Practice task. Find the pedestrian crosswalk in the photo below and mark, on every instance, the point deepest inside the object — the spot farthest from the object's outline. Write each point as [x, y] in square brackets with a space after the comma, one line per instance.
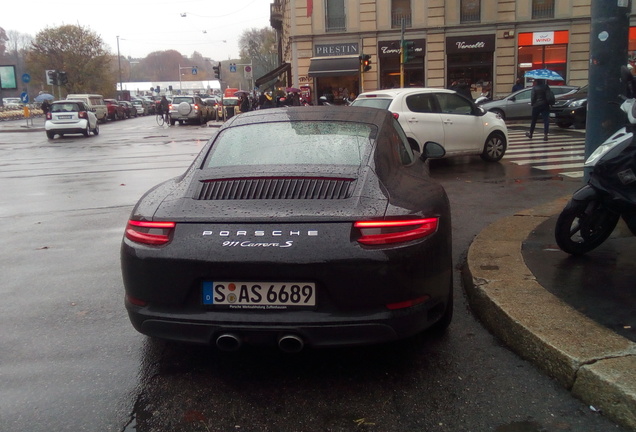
[563, 154]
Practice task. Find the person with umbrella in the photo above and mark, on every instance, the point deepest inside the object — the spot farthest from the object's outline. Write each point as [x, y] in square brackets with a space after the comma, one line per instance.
[541, 98]
[540, 102]
[45, 104]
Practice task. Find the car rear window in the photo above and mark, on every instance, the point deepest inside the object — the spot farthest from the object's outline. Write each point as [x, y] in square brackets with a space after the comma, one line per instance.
[292, 143]
[178, 100]
[372, 103]
[65, 107]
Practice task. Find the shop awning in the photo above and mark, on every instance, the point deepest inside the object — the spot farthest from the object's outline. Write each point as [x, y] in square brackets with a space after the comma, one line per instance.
[334, 66]
[273, 74]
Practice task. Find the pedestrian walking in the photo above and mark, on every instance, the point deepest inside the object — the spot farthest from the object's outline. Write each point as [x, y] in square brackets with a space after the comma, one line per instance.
[540, 99]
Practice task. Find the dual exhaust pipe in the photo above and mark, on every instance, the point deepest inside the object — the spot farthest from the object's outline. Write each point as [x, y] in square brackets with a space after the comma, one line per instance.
[288, 343]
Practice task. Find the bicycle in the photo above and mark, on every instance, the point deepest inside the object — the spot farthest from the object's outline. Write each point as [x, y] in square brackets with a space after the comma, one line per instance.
[162, 118]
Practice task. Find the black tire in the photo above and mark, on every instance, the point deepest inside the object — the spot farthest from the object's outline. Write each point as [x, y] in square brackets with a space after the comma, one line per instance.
[494, 148]
[50, 135]
[96, 130]
[564, 125]
[442, 324]
[86, 132]
[579, 230]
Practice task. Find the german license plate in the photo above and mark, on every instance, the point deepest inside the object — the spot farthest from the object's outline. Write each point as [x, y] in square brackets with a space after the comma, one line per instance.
[259, 295]
[553, 115]
[65, 116]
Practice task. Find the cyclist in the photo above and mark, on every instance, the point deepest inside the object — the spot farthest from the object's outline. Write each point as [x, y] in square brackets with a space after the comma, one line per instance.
[164, 107]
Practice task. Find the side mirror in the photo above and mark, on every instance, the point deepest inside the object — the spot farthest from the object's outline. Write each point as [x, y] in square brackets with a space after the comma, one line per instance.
[432, 150]
[481, 111]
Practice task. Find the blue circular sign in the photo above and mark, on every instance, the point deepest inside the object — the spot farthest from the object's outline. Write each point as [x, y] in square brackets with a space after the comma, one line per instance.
[26, 78]
[24, 97]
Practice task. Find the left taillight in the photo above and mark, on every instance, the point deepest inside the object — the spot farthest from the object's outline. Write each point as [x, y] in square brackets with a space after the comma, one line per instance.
[82, 114]
[49, 116]
[150, 233]
[375, 233]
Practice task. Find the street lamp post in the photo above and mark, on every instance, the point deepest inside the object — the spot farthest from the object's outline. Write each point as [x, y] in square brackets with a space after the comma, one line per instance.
[121, 86]
[184, 67]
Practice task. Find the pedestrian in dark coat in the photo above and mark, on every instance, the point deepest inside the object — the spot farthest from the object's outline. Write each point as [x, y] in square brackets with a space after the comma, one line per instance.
[540, 107]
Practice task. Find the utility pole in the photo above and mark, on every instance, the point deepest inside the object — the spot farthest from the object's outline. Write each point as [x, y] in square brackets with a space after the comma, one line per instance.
[402, 49]
[609, 37]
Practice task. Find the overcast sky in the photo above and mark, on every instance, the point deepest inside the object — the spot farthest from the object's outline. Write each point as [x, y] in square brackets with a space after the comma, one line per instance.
[211, 27]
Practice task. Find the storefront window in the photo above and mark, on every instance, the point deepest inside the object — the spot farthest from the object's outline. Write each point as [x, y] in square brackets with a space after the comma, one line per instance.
[553, 57]
[337, 88]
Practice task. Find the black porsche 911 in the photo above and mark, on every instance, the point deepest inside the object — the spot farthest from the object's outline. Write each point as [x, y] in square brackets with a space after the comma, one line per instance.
[300, 226]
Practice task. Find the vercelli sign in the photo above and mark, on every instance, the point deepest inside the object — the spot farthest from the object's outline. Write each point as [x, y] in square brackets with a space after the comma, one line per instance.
[466, 44]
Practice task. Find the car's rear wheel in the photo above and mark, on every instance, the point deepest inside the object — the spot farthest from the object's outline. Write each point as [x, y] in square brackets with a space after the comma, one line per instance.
[494, 148]
[50, 135]
[96, 130]
[87, 131]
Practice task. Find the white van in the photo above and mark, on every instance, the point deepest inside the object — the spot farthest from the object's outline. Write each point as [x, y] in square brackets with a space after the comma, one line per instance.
[95, 103]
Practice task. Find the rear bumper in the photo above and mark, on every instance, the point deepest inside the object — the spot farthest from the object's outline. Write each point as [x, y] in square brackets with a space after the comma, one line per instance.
[328, 331]
[66, 127]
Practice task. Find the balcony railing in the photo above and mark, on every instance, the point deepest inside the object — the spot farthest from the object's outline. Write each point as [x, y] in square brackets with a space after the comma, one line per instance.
[542, 9]
[276, 15]
[336, 23]
[396, 19]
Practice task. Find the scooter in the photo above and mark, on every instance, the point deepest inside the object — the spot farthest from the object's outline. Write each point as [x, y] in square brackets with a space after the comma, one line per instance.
[594, 210]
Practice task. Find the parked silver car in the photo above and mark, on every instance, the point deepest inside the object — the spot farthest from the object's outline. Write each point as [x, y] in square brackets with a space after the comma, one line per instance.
[517, 105]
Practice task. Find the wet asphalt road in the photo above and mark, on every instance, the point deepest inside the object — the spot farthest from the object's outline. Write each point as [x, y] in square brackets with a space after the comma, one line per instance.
[71, 361]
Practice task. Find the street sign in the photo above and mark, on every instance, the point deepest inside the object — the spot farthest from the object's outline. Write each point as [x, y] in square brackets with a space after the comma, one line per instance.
[26, 78]
[24, 97]
[194, 71]
[232, 68]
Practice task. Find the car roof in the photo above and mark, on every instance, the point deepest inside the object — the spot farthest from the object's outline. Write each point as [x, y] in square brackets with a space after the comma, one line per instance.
[392, 93]
[313, 113]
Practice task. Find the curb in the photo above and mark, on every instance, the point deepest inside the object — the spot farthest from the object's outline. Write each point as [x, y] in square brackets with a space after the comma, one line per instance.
[595, 364]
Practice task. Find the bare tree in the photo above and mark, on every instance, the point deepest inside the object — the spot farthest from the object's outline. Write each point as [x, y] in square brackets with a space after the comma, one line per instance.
[259, 46]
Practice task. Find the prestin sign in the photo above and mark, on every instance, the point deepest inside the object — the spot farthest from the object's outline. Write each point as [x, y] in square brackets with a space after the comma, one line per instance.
[340, 49]
[468, 44]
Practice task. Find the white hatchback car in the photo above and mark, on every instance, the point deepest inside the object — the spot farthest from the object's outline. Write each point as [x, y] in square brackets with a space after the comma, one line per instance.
[443, 116]
[70, 117]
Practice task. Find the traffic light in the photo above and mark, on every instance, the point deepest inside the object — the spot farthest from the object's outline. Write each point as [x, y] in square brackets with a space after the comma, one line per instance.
[51, 77]
[62, 78]
[217, 71]
[408, 50]
[366, 62]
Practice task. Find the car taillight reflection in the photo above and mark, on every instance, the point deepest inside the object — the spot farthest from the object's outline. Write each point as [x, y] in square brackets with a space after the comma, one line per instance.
[389, 232]
[150, 233]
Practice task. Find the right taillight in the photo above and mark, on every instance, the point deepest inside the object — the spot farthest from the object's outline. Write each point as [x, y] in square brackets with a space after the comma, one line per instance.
[150, 233]
[395, 231]
[396, 116]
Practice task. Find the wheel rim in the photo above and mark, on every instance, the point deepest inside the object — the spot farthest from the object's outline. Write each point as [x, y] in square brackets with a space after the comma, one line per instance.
[495, 147]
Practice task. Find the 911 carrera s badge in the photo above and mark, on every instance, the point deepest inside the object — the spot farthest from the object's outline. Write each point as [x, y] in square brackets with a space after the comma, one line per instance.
[275, 234]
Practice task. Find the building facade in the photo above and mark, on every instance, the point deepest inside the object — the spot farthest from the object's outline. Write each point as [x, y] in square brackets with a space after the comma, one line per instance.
[487, 43]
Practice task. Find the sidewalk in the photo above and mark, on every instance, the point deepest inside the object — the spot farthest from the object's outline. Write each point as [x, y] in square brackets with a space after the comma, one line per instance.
[33, 124]
[596, 364]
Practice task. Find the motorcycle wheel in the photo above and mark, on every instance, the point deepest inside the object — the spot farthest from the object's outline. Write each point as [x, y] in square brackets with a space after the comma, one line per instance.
[579, 231]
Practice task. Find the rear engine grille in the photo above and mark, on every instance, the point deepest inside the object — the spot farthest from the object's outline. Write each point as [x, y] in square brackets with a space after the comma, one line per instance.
[275, 188]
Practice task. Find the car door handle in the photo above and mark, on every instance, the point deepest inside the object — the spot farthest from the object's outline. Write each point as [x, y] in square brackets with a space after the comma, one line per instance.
[447, 121]
[412, 120]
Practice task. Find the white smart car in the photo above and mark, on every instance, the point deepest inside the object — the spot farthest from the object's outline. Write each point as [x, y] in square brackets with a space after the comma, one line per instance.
[445, 117]
[70, 117]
